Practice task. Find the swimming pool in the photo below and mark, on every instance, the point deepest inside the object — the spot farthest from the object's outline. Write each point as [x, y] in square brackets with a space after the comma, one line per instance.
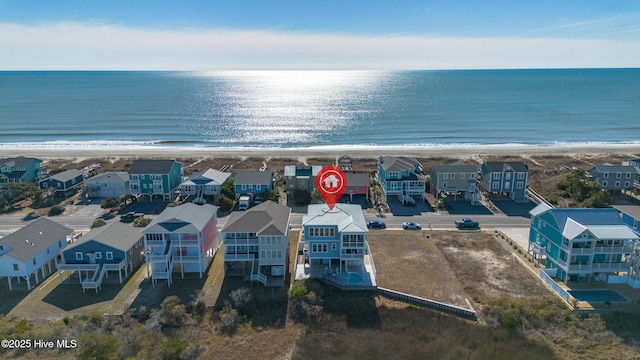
[597, 295]
[354, 278]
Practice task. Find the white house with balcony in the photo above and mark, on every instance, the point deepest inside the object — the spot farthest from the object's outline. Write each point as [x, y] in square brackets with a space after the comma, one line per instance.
[257, 243]
[182, 239]
[204, 183]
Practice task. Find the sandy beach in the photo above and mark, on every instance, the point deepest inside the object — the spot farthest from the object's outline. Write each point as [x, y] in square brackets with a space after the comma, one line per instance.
[632, 150]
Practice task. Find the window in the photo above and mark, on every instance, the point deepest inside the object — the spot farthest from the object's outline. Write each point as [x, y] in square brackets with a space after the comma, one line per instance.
[462, 176]
[109, 255]
[60, 243]
[16, 267]
[520, 185]
[604, 184]
[34, 261]
[453, 176]
[496, 185]
[628, 175]
[244, 187]
[445, 176]
[605, 175]
[154, 237]
[79, 256]
[617, 184]
[618, 175]
[98, 256]
[626, 184]
[45, 184]
[320, 248]
[507, 176]
[258, 187]
[521, 176]
[1, 247]
[334, 246]
[496, 175]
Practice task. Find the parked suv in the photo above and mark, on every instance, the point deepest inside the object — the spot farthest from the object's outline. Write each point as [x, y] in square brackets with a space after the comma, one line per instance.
[375, 224]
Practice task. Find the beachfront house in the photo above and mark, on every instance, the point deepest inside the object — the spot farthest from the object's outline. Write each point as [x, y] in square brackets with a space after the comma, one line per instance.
[509, 178]
[334, 247]
[64, 182]
[636, 165]
[32, 249]
[204, 183]
[20, 170]
[613, 178]
[453, 179]
[581, 243]
[401, 177]
[345, 163]
[108, 184]
[155, 178]
[115, 247]
[182, 237]
[630, 215]
[257, 243]
[299, 177]
[253, 182]
[357, 184]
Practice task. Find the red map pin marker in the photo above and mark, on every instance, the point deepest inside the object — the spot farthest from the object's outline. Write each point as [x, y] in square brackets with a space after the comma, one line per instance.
[331, 182]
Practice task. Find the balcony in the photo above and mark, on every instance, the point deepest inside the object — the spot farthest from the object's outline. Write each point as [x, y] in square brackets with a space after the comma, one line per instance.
[537, 249]
[581, 251]
[613, 267]
[241, 242]
[239, 257]
[613, 249]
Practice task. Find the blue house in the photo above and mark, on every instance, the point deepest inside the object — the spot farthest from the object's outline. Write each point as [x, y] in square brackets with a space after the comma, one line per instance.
[630, 215]
[401, 177]
[114, 247]
[20, 170]
[155, 178]
[334, 246]
[508, 178]
[581, 243]
[253, 182]
[64, 182]
[613, 178]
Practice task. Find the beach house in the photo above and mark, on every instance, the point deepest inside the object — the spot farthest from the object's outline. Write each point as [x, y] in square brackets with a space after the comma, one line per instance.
[182, 238]
[357, 184]
[300, 177]
[636, 165]
[204, 183]
[152, 179]
[64, 182]
[108, 184]
[32, 249]
[115, 247]
[509, 178]
[612, 177]
[333, 246]
[453, 179]
[257, 243]
[581, 243]
[401, 177]
[253, 182]
[20, 170]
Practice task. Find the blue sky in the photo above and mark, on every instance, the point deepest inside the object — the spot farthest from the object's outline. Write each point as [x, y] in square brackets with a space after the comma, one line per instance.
[313, 34]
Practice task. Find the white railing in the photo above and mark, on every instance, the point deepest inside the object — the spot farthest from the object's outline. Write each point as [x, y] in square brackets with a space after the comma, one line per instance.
[250, 241]
[95, 282]
[239, 257]
[624, 266]
[260, 277]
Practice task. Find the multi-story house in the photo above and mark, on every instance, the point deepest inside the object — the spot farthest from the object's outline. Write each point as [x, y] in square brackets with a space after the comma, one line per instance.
[204, 183]
[453, 179]
[108, 184]
[155, 178]
[401, 177]
[253, 182]
[581, 243]
[257, 243]
[334, 246]
[115, 247]
[630, 215]
[20, 170]
[508, 178]
[301, 177]
[182, 238]
[636, 165]
[64, 182]
[357, 184]
[613, 178]
[31, 249]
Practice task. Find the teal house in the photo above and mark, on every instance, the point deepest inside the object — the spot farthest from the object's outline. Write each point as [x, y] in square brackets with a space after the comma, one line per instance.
[155, 179]
[401, 177]
[582, 244]
[20, 170]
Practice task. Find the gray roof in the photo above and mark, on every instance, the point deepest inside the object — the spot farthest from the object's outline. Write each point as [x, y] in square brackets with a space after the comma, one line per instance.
[358, 179]
[631, 210]
[608, 168]
[268, 218]
[253, 177]
[500, 166]
[207, 177]
[301, 171]
[141, 167]
[347, 217]
[187, 217]
[111, 176]
[394, 163]
[117, 235]
[457, 167]
[17, 161]
[66, 175]
[34, 238]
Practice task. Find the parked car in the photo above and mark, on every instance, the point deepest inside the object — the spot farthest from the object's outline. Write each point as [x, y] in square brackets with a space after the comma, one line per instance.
[375, 224]
[411, 226]
[467, 223]
[130, 216]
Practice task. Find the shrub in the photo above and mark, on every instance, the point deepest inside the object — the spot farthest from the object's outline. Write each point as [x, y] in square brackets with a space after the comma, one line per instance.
[172, 348]
[225, 203]
[173, 313]
[98, 223]
[141, 222]
[229, 319]
[94, 346]
[228, 190]
[272, 195]
[110, 202]
[55, 210]
[240, 297]
[301, 197]
[305, 304]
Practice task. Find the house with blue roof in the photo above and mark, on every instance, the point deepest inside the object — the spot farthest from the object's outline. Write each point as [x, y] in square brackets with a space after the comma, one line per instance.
[334, 246]
[581, 243]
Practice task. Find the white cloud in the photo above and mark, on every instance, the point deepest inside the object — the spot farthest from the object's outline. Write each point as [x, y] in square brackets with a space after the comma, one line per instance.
[105, 46]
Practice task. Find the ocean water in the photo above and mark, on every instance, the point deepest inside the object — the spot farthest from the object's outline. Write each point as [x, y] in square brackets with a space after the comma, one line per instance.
[291, 109]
